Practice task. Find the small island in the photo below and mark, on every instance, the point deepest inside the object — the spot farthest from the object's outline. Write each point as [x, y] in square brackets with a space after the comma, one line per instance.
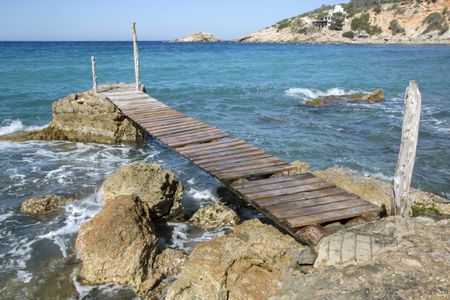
[199, 37]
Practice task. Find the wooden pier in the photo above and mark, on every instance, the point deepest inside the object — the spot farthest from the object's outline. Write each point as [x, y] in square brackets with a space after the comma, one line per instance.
[291, 201]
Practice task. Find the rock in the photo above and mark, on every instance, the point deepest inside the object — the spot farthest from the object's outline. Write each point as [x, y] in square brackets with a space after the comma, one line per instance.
[300, 168]
[394, 257]
[376, 96]
[157, 188]
[375, 190]
[215, 216]
[86, 117]
[167, 264]
[249, 263]
[199, 37]
[42, 204]
[118, 244]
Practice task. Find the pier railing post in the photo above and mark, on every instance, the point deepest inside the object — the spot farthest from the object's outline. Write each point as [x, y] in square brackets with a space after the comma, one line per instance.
[407, 154]
[136, 58]
[94, 75]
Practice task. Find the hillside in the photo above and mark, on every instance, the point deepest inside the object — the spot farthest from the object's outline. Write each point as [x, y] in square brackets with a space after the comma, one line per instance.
[364, 21]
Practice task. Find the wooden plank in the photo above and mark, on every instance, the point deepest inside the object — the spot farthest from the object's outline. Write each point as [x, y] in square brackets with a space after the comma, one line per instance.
[281, 200]
[288, 191]
[222, 170]
[147, 120]
[230, 156]
[331, 216]
[200, 153]
[158, 129]
[249, 149]
[197, 140]
[309, 202]
[254, 172]
[211, 145]
[239, 185]
[280, 185]
[175, 121]
[188, 127]
[179, 130]
[155, 116]
[189, 135]
[239, 161]
[349, 202]
[172, 134]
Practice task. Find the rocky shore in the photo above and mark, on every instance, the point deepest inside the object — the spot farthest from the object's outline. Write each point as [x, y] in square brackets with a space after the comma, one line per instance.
[406, 257]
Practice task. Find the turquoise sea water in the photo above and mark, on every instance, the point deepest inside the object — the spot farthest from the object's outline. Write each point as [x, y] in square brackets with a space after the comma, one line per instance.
[255, 92]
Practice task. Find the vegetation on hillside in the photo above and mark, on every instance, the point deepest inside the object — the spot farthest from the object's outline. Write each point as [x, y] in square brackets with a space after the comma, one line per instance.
[337, 21]
[395, 27]
[362, 23]
[436, 22]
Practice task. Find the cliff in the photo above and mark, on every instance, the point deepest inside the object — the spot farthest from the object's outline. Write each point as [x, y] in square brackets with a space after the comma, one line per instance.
[364, 21]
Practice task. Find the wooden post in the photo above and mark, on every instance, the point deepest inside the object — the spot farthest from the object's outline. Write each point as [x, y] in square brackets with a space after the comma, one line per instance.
[407, 154]
[136, 58]
[94, 75]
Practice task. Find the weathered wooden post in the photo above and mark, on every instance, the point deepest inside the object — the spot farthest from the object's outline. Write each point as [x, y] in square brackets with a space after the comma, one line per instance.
[136, 58]
[407, 154]
[94, 75]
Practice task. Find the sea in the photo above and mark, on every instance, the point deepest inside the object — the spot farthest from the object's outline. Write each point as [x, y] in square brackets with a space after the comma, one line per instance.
[253, 91]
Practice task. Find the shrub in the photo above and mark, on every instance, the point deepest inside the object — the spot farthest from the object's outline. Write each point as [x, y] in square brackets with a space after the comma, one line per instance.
[337, 21]
[436, 22]
[283, 24]
[400, 11]
[349, 34]
[420, 209]
[395, 27]
[378, 9]
[362, 23]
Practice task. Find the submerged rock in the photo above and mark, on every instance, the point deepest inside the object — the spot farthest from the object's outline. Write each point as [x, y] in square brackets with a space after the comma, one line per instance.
[215, 216]
[376, 96]
[249, 263]
[118, 244]
[86, 117]
[157, 188]
[43, 204]
[198, 37]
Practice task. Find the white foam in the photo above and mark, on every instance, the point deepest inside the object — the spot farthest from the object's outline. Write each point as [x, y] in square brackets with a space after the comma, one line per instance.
[5, 216]
[182, 239]
[15, 126]
[201, 194]
[306, 93]
[24, 276]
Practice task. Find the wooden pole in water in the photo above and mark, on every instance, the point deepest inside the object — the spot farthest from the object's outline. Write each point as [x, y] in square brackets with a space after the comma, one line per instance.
[407, 154]
[94, 75]
[136, 58]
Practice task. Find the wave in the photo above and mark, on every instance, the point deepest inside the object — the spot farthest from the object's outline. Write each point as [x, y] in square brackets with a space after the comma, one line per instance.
[15, 126]
[305, 93]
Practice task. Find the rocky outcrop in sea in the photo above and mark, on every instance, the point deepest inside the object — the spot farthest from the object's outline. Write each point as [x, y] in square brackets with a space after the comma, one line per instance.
[86, 117]
[198, 37]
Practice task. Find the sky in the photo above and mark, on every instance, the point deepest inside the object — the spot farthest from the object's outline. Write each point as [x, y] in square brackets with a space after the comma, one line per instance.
[110, 20]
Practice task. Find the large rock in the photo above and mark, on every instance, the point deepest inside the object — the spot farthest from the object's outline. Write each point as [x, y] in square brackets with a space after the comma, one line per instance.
[375, 190]
[43, 204]
[389, 258]
[376, 96]
[157, 188]
[86, 117]
[249, 263]
[198, 37]
[118, 244]
[215, 216]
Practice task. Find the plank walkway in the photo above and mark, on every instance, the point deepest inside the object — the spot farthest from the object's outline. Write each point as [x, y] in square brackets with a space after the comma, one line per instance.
[292, 201]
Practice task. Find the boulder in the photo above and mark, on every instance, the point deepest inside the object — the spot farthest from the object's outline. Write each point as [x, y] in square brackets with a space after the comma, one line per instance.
[118, 244]
[394, 257]
[376, 96]
[157, 188]
[215, 216]
[375, 190]
[43, 204]
[167, 264]
[199, 37]
[249, 263]
[86, 117]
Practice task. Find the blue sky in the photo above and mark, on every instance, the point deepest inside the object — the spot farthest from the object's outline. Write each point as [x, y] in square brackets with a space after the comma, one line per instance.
[54, 20]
